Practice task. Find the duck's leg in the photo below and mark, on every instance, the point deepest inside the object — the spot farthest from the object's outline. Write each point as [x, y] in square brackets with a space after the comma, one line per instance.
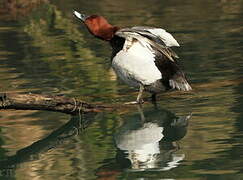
[140, 93]
[153, 97]
[139, 97]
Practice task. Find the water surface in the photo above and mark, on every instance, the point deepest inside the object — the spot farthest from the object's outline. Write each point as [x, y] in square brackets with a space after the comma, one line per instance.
[196, 135]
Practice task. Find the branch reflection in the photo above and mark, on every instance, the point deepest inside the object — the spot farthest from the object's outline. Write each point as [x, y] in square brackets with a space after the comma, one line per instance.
[56, 138]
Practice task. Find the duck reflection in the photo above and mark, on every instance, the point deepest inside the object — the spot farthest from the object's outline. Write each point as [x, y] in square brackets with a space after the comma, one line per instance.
[148, 140]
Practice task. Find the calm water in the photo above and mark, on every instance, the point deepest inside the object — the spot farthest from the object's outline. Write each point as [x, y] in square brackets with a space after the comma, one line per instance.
[189, 136]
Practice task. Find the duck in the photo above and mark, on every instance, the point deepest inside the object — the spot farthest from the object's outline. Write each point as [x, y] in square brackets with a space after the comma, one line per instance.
[142, 56]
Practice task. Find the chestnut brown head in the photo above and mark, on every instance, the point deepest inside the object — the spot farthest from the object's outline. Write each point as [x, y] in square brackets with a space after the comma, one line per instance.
[98, 26]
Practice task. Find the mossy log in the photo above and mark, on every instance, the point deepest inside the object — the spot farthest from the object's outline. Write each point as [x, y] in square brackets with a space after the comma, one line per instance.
[47, 102]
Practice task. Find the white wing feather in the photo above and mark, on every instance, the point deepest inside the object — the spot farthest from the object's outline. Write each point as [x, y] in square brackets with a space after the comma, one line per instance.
[166, 37]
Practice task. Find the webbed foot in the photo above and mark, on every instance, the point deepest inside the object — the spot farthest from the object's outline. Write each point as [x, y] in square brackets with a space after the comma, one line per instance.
[134, 102]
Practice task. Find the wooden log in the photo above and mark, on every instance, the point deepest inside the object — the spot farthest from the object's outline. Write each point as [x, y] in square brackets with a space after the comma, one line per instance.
[47, 102]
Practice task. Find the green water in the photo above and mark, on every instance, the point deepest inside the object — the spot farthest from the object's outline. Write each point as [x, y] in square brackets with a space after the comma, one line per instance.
[196, 135]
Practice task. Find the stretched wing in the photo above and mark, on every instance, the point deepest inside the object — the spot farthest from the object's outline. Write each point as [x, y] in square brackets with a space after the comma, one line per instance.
[157, 34]
[154, 37]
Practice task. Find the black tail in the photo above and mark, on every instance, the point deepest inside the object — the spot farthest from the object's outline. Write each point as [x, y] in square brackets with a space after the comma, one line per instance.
[172, 76]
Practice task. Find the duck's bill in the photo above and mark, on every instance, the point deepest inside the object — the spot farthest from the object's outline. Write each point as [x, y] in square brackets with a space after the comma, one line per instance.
[80, 16]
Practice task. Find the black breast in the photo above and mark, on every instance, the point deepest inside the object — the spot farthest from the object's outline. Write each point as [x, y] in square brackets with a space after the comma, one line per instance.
[117, 44]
